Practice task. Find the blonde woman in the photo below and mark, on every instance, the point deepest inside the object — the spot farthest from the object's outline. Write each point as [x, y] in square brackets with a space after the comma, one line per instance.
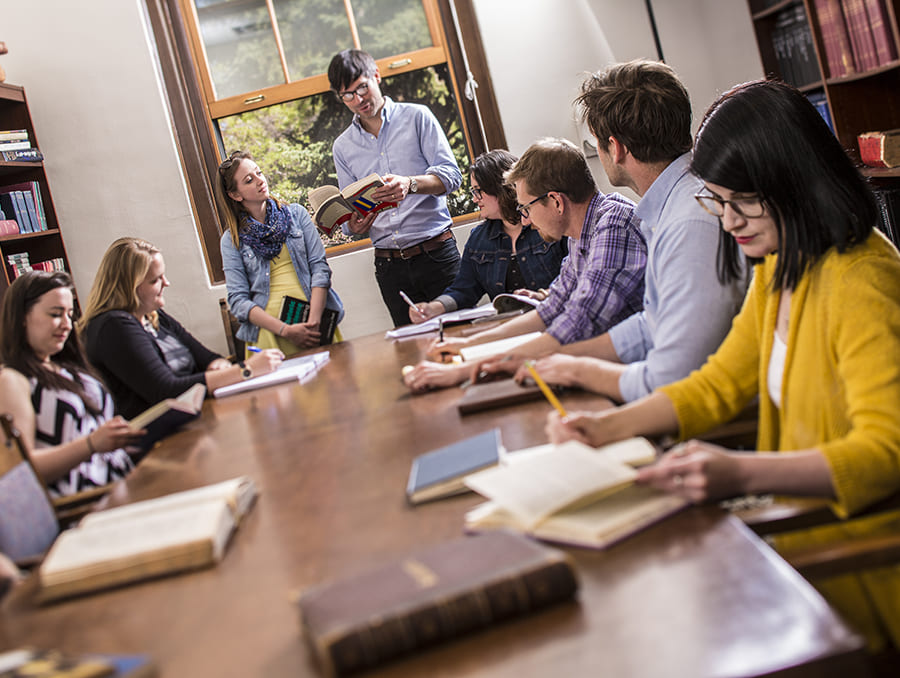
[143, 353]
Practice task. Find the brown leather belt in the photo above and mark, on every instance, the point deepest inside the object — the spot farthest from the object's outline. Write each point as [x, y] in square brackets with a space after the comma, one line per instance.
[415, 250]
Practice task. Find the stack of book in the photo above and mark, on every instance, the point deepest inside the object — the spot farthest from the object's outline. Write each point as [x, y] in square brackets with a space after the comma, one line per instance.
[22, 203]
[856, 35]
[16, 146]
[19, 262]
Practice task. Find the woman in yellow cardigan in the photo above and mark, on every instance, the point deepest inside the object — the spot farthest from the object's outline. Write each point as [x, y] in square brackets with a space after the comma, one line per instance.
[818, 340]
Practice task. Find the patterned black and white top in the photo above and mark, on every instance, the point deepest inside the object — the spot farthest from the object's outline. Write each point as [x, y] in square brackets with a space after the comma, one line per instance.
[62, 417]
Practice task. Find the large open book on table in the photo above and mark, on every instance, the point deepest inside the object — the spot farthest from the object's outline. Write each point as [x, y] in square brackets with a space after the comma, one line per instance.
[571, 493]
[181, 531]
[302, 369]
[168, 415]
[331, 207]
[424, 598]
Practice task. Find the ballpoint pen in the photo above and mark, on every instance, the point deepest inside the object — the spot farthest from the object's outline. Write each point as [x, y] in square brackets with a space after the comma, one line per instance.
[411, 303]
[254, 349]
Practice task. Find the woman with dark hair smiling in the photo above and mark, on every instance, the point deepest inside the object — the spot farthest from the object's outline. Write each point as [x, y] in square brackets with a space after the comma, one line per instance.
[501, 254]
[64, 412]
[817, 341]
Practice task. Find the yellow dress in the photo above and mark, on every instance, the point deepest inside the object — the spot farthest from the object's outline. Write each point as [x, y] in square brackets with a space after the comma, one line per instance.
[282, 281]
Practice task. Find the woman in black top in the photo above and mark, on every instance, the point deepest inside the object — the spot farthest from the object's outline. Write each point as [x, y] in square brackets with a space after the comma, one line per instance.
[143, 353]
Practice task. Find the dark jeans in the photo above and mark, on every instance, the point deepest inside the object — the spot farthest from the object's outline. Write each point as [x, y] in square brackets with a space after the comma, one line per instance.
[422, 277]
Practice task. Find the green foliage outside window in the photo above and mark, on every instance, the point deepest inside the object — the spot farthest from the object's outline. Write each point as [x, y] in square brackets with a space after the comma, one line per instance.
[291, 142]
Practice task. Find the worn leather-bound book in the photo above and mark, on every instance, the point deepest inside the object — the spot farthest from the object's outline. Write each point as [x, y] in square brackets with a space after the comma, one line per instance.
[448, 590]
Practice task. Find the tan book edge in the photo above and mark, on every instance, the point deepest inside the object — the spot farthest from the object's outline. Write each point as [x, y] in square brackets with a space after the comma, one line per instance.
[492, 348]
[190, 401]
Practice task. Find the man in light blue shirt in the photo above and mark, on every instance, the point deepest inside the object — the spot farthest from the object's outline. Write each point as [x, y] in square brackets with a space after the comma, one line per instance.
[415, 251]
[640, 114]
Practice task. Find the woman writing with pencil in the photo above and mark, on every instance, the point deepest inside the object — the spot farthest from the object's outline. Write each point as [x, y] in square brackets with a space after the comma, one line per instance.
[270, 250]
[142, 352]
[817, 341]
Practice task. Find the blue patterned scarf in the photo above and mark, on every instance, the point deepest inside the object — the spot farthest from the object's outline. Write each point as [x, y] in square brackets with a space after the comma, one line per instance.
[267, 239]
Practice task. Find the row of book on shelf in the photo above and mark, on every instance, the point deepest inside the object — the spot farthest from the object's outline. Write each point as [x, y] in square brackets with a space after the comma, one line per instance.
[22, 209]
[20, 264]
[856, 35]
[15, 145]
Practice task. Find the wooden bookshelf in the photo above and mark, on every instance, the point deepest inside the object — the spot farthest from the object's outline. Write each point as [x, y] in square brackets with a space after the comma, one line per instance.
[864, 101]
[41, 245]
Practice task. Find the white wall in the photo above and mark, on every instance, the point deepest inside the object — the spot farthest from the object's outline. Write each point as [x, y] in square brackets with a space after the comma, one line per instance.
[90, 75]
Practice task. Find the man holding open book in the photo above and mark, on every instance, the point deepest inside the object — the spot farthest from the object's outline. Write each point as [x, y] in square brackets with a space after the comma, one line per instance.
[415, 251]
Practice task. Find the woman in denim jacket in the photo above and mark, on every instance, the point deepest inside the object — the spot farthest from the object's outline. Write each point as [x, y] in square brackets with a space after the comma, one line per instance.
[501, 255]
[270, 250]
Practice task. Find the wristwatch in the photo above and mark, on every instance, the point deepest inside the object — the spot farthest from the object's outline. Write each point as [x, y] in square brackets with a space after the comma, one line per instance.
[246, 372]
[413, 185]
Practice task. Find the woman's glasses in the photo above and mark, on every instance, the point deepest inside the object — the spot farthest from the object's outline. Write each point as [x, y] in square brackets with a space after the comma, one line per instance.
[476, 192]
[750, 207]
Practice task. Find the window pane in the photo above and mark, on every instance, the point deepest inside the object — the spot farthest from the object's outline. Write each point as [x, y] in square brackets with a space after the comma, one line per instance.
[388, 27]
[240, 45]
[312, 31]
[291, 142]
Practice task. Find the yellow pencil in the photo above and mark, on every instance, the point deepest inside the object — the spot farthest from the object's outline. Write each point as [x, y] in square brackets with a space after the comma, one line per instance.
[551, 397]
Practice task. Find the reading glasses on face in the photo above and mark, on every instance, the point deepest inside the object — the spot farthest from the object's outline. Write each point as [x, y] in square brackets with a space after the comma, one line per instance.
[476, 192]
[749, 208]
[525, 209]
[360, 91]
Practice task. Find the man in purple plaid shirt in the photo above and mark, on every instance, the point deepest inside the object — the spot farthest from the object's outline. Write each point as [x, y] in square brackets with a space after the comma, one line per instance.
[600, 283]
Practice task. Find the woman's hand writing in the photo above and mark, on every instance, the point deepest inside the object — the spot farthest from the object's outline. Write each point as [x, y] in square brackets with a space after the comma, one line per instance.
[265, 361]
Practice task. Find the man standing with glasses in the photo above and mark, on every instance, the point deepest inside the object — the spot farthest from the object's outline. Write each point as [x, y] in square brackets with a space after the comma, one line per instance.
[415, 251]
[640, 114]
[601, 282]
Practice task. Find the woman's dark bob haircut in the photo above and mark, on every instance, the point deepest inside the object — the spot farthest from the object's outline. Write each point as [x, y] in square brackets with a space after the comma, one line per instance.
[488, 170]
[765, 137]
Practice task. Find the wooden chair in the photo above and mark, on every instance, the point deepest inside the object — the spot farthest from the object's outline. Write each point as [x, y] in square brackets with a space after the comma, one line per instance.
[28, 523]
[231, 325]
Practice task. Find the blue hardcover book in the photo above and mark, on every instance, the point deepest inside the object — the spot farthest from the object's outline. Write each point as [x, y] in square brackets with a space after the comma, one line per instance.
[22, 206]
[440, 473]
[28, 197]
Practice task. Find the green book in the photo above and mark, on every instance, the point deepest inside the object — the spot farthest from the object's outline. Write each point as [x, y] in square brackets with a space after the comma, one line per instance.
[294, 310]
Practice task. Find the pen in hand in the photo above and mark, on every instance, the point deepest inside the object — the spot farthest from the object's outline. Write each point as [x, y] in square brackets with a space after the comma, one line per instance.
[411, 303]
[551, 397]
[254, 349]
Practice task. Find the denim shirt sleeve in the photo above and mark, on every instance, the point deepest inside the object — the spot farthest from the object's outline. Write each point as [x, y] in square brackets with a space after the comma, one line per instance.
[237, 280]
[467, 288]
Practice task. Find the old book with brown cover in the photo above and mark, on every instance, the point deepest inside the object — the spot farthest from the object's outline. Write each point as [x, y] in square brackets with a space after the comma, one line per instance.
[440, 593]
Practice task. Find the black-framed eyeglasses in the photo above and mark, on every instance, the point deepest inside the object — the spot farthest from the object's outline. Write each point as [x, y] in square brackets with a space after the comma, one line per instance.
[476, 192]
[750, 207]
[525, 209]
[350, 95]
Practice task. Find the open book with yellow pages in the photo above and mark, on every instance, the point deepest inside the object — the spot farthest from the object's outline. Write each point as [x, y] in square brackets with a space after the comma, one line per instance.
[180, 531]
[571, 493]
[168, 415]
[332, 207]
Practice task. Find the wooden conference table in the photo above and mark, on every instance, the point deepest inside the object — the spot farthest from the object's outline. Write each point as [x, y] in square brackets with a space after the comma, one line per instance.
[697, 595]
